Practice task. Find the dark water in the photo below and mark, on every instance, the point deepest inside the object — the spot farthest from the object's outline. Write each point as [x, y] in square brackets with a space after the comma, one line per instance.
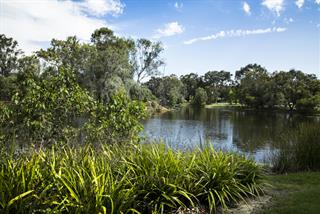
[254, 133]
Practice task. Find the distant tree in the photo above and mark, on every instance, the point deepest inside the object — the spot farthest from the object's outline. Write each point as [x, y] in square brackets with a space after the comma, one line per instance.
[168, 89]
[200, 97]
[299, 90]
[191, 82]
[9, 55]
[147, 60]
[217, 84]
[253, 81]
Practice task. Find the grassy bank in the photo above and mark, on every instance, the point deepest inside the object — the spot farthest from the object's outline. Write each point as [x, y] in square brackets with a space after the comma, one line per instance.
[293, 193]
[214, 105]
[128, 179]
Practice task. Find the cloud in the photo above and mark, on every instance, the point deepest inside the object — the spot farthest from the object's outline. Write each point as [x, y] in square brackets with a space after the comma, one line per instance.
[178, 6]
[299, 3]
[246, 8]
[317, 2]
[34, 23]
[288, 20]
[275, 6]
[102, 7]
[235, 33]
[169, 29]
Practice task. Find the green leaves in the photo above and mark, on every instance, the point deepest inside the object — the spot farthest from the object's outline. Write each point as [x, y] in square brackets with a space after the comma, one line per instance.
[124, 179]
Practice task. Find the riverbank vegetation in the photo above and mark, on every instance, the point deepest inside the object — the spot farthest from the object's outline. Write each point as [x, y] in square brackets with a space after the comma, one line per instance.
[298, 150]
[70, 122]
[129, 179]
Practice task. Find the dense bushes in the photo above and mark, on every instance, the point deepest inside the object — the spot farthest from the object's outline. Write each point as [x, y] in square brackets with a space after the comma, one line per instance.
[299, 150]
[128, 178]
[54, 108]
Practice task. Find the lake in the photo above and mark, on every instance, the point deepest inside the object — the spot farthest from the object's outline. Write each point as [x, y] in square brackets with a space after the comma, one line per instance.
[250, 132]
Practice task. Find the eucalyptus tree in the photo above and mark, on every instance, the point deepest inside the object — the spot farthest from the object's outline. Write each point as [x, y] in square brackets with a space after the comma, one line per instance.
[217, 85]
[191, 82]
[147, 59]
[252, 83]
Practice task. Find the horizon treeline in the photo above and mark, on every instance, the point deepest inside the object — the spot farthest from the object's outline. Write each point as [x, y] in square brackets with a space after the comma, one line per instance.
[109, 64]
[251, 86]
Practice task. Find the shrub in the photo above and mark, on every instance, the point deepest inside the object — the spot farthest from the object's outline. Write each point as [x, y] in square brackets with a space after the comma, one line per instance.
[54, 108]
[119, 179]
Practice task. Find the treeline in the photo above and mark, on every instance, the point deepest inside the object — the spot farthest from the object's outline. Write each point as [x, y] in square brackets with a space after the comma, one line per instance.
[252, 86]
[103, 66]
[109, 64]
[75, 91]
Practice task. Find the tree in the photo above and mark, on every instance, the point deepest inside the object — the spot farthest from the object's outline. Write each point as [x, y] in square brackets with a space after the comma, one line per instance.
[217, 84]
[168, 89]
[253, 81]
[298, 89]
[191, 82]
[200, 97]
[8, 55]
[147, 59]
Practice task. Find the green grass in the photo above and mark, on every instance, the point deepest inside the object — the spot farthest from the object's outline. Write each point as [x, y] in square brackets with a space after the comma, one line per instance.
[294, 193]
[214, 105]
[124, 179]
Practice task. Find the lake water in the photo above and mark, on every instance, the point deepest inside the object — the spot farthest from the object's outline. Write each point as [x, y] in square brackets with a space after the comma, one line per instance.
[253, 133]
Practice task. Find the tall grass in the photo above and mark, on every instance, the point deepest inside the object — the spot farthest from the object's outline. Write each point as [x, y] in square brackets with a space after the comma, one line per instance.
[299, 150]
[124, 179]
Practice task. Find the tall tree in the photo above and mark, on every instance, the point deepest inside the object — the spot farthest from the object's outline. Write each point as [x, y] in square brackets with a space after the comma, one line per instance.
[147, 59]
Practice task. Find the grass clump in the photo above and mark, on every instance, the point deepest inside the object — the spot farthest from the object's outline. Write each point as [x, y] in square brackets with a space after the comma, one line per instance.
[299, 150]
[145, 178]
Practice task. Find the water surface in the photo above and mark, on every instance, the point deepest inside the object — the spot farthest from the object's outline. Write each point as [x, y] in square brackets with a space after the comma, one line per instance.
[254, 133]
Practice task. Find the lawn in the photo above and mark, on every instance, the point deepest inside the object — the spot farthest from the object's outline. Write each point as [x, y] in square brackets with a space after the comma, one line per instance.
[294, 193]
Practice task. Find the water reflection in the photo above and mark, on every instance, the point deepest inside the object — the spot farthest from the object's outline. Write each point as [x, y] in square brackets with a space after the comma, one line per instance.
[246, 131]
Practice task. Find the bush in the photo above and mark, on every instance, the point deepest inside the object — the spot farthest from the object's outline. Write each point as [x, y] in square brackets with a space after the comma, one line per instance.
[54, 108]
[118, 179]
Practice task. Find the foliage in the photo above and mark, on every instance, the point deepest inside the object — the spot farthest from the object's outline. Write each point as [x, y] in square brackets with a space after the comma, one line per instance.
[120, 179]
[147, 59]
[200, 97]
[168, 89]
[54, 108]
[191, 82]
[8, 55]
[140, 92]
[117, 122]
[45, 111]
[298, 150]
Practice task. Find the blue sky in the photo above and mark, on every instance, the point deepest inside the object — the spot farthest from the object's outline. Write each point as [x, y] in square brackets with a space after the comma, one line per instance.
[198, 35]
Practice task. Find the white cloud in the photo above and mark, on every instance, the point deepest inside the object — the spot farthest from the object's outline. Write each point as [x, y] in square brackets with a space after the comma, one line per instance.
[169, 29]
[317, 2]
[178, 6]
[246, 8]
[274, 5]
[288, 20]
[235, 33]
[102, 7]
[300, 3]
[34, 23]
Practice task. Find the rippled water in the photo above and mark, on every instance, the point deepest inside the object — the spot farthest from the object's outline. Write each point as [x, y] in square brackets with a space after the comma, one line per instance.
[253, 133]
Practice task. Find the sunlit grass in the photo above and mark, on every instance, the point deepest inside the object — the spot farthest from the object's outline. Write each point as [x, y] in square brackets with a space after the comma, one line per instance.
[124, 179]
